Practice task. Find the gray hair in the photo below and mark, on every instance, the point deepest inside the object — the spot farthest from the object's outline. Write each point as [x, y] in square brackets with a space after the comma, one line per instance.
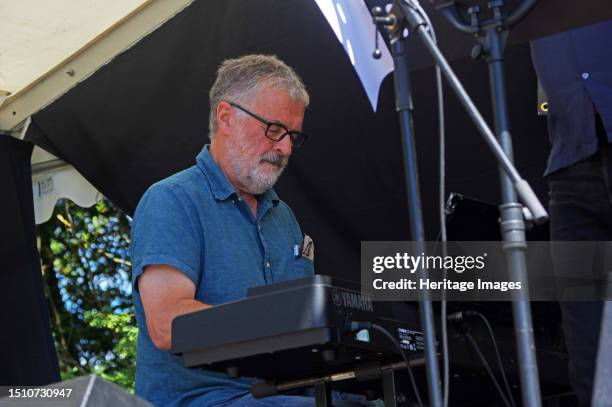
[239, 80]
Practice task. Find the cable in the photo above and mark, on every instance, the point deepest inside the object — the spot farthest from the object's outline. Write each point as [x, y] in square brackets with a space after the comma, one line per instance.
[399, 348]
[497, 354]
[487, 367]
[457, 316]
[355, 326]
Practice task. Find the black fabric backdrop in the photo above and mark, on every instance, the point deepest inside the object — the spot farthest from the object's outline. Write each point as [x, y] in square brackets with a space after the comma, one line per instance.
[144, 116]
[27, 353]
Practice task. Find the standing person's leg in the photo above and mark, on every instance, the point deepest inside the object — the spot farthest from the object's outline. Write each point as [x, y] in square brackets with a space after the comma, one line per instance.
[581, 210]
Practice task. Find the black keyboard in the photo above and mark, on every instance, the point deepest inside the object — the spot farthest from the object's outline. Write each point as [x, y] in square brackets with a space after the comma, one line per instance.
[295, 329]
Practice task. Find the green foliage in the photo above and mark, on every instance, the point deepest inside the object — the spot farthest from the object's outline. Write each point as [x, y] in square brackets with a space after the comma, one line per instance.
[124, 349]
[85, 260]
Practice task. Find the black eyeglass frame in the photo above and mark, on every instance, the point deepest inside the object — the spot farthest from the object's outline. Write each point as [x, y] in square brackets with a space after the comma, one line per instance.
[297, 137]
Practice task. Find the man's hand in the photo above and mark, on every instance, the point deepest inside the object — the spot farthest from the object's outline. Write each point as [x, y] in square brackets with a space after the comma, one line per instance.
[166, 293]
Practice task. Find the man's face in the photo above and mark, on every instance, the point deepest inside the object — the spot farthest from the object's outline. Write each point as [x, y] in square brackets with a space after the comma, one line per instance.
[256, 161]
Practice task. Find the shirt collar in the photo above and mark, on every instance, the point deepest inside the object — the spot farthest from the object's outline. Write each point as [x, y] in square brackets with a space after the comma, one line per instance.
[219, 185]
[270, 196]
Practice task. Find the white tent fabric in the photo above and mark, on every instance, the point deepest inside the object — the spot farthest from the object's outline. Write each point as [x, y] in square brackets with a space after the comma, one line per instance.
[49, 47]
[60, 181]
[37, 36]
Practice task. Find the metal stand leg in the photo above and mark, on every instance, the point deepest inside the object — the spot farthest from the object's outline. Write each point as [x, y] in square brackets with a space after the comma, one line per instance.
[323, 395]
[403, 104]
[389, 388]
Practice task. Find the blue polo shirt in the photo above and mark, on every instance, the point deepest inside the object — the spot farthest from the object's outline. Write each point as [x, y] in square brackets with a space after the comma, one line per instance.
[575, 70]
[196, 222]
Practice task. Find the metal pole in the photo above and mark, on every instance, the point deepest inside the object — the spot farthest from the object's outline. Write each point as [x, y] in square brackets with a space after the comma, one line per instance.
[403, 105]
[602, 389]
[48, 165]
[513, 228]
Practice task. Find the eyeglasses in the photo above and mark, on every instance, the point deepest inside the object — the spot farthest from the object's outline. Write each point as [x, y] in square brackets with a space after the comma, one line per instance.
[276, 131]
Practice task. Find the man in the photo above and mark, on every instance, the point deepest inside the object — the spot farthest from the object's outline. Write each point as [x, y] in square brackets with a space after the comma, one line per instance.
[575, 70]
[204, 235]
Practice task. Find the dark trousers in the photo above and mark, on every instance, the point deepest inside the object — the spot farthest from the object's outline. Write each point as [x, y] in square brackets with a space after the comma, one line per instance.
[581, 209]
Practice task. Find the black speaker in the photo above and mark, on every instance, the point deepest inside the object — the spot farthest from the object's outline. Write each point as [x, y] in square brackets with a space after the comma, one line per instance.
[90, 391]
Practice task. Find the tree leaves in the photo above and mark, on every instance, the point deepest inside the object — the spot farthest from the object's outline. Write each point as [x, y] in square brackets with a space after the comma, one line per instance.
[86, 269]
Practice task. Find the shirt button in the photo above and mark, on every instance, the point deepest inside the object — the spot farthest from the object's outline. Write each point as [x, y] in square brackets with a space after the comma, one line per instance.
[268, 264]
[585, 75]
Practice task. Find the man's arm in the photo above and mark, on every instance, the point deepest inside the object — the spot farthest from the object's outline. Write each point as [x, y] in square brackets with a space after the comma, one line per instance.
[165, 292]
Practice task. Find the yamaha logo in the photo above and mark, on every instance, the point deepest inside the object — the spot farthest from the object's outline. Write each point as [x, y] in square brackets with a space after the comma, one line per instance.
[336, 297]
[351, 299]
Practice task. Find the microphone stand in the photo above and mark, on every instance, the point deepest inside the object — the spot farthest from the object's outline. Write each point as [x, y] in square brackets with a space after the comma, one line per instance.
[403, 103]
[491, 36]
[403, 15]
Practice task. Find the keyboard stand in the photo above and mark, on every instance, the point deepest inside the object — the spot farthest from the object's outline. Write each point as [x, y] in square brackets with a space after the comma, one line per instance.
[389, 388]
[323, 395]
[322, 386]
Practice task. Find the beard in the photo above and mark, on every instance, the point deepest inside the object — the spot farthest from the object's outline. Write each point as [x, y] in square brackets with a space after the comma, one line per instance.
[256, 173]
